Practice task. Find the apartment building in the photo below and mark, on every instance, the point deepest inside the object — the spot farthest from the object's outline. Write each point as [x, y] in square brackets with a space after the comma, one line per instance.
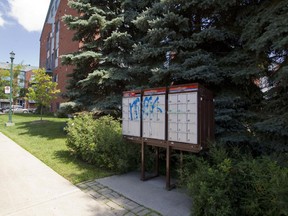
[55, 41]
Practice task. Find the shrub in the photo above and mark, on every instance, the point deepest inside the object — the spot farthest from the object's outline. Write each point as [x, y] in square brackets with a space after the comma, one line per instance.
[100, 142]
[263, 186]
[68, 108]
[209, 186]
[220, 185]
[80, 132]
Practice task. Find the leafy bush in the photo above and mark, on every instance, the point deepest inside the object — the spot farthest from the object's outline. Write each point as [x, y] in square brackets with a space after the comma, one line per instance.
[221, 185]
[100, 142]
[68, 108]
[263, 185]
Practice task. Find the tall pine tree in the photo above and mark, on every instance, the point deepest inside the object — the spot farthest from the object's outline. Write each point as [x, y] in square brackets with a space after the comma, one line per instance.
[227, 46]
[266, 34]
[200, 41]
[102, 64]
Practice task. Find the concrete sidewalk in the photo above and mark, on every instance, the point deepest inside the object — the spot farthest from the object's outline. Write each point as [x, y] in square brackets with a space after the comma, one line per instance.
[30, 188]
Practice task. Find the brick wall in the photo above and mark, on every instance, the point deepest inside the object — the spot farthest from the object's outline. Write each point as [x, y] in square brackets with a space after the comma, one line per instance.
[47, 28]
[66, 45]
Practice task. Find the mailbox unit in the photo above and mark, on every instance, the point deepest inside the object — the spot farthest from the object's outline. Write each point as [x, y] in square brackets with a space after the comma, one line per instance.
[178, 117]
[190, 117]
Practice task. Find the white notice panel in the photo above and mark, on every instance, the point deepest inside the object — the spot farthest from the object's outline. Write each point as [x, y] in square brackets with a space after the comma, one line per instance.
[153, 113]
[131, 116]
[182, 117]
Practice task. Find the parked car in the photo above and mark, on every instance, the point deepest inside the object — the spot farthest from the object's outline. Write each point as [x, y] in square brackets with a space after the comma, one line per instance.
[32, 110]
[2, 109]
[5, 109]
[17, 109]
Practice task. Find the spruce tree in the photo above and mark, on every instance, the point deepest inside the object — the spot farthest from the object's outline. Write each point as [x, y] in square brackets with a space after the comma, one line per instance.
[102, 64]
[266, 34]
[227, 46]
[200, 41]
[86, 27]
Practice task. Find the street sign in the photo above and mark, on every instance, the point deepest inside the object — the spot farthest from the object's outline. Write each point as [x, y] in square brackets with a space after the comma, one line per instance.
[7, 89]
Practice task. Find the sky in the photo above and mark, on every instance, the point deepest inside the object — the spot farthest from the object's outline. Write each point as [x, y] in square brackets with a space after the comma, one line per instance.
[21, 23]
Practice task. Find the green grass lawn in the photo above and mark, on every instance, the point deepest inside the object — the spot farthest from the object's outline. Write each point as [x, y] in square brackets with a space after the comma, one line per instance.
[46, 141]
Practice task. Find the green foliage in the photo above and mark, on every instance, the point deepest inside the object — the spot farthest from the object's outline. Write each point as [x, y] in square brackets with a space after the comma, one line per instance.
[239, 185]
[46, 141]
[262, 183]
[43, 89]
[100, 142]
[204, 42]
[4, 74]
[102, 65]
[265, 34]
[226, 46]
[68, 108]
[15, 82]
[5, 81]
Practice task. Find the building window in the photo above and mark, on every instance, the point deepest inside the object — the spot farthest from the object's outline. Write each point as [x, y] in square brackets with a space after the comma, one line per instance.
[56, 57]
[48, 42]
[52, 61]
[52, 44]
[55, 78]
[52, 11]
[56, 4]
[32, 78]
[57, 28]
[57, 105]
[48, 64]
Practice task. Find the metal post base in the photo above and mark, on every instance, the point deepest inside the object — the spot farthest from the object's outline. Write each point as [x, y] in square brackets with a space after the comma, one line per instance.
[9, 124]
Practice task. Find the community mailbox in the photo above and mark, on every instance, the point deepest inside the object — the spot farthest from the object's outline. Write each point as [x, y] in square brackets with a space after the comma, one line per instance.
[178, 117]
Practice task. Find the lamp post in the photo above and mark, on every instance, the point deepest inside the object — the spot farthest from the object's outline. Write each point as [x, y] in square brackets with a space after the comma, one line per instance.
[10, 123]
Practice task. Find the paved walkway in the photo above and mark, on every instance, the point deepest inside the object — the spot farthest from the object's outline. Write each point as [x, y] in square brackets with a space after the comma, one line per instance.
[30, 188]
[119, 204]
[151, 193]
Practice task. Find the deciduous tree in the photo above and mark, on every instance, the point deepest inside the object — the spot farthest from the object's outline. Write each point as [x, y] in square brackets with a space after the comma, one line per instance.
[42, 89]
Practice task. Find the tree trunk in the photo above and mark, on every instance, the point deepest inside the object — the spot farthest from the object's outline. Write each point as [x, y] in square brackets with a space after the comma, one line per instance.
[41, 112]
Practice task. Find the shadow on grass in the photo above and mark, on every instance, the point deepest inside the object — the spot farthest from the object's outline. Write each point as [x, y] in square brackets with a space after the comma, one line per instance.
[33, 115]
[45, 128]
[84, 172]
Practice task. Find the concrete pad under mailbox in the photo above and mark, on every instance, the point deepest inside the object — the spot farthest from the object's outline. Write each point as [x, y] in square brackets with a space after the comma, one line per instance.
[151, 193]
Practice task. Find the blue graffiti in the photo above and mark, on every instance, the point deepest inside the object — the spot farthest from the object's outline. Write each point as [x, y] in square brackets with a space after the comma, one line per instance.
[134, 108]
[150, 106]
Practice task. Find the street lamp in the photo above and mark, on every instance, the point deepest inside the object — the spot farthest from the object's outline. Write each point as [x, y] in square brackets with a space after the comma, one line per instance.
[9, 123]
